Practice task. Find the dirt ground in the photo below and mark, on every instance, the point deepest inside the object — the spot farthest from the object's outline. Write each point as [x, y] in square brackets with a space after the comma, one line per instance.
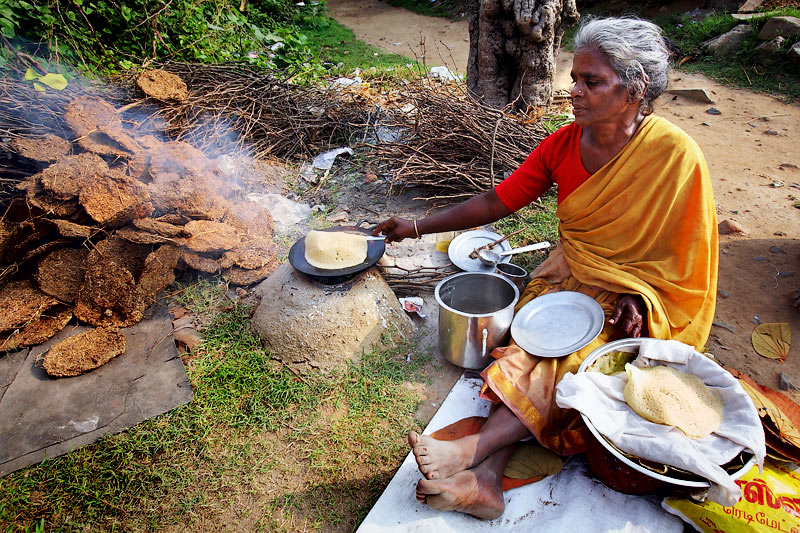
[754, 158]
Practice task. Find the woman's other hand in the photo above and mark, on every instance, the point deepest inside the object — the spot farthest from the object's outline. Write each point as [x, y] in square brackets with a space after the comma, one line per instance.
[396, 229]
[629, 315]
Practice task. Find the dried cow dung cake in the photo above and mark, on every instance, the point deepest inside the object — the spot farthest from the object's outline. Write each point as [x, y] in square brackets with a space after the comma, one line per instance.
[144, 237]
[200, 262]
[251, 219]
[241, 276]
[251, 256]
[37, 330]
[162, 85]
[209, 237]
[71, 230]
[176, 193]
[114, 199]
[87, 114]
[20, 302]
[44, 149]
[84, 352]
[65, 178]
[108, 296]
[98, 127]
[60, 274]
[158, 272]
[162, 228]
[38, 199]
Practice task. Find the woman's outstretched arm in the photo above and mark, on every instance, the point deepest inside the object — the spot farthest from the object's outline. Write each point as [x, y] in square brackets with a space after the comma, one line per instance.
[477, 211]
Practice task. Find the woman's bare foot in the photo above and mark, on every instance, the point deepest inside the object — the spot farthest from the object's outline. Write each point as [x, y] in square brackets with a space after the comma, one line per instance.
[440, 459]
[476, 492]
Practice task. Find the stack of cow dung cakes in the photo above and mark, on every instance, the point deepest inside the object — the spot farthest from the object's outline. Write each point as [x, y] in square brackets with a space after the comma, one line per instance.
[98, 232]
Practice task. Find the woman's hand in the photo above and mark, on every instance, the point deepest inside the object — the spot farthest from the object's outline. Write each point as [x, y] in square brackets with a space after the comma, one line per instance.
[396, 229]
[629, 315]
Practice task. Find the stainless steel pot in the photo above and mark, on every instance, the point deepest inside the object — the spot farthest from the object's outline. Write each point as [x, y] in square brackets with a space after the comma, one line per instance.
[475, 314]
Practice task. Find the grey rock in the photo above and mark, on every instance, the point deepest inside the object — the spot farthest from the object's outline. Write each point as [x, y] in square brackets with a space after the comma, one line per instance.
[777, 250]
[724, 293]
[785, 383]
[788, 27]
[728, 43]
[728, 227]
[699, 95]
[771, 132]
[768, 49]
[794, 53]
[713, 111]
[749, 6]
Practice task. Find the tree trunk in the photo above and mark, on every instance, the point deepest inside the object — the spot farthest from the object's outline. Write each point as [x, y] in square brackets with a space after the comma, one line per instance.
[512, 49]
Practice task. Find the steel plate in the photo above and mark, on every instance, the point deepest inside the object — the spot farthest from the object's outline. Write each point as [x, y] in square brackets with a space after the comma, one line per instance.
[464, 244]
[557, 324]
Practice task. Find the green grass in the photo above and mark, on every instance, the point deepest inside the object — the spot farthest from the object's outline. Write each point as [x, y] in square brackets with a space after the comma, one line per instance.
[777, 76]
[338, 49]
[252, 423]
[540, 223]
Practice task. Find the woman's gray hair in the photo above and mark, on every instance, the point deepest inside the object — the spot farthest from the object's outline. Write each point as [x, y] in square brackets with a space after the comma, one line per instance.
[636, 50]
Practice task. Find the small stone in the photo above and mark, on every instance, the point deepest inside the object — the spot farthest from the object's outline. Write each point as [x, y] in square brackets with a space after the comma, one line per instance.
[776, 184]
[338, 217]
[784, 166]
[369, 177]
[705, 124]
[771, 132]
[759, 259]
[728, 227]
[779, 234]
[785, 383]
[777, 250]
[698, 95]
[724, 293]
[318, 208]
[713, 111]
[729, 43]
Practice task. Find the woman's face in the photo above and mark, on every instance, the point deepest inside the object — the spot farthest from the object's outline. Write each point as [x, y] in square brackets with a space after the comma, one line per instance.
[598, 95]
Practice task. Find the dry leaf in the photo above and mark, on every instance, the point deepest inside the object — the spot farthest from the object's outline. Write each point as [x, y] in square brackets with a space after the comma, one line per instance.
[462, 428]
[532, 463]
[781, 415]
[772, 340]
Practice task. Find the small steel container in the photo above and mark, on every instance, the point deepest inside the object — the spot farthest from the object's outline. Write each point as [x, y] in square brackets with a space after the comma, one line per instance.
[475, 314]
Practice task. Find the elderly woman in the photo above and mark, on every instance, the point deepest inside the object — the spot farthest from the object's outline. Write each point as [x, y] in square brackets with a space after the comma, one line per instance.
[638, 233]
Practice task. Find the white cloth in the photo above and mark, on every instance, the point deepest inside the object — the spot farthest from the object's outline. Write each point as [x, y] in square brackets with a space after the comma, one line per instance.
[601, 399]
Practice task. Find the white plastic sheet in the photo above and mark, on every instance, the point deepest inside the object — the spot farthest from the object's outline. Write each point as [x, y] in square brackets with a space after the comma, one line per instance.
[569, 502]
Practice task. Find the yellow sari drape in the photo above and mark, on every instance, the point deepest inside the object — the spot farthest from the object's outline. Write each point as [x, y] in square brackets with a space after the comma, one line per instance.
[645, 223]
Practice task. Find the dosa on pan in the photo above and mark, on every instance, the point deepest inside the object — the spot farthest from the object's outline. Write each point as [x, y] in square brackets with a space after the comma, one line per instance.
[665, 395]
[333, 250]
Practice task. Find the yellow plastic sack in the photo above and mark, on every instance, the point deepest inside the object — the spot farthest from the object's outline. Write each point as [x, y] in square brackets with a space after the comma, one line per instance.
[770, 502]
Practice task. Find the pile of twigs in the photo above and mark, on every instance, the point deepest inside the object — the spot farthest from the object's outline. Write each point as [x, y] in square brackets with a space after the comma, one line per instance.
[407, 282]
[458, 146]
[237, 105]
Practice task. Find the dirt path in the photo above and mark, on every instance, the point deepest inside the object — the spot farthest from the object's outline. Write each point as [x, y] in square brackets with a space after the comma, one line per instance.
[753, 154]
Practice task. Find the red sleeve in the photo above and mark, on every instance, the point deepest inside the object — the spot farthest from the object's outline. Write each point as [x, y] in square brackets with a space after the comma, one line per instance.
[555, 160]
[527, 183]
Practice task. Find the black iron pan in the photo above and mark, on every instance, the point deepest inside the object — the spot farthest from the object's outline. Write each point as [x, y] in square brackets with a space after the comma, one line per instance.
[297, 255]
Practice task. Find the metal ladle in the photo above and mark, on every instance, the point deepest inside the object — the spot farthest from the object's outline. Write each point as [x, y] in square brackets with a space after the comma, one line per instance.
[491, 258]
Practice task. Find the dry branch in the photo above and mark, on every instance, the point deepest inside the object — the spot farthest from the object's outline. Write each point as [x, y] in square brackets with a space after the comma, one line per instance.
[459, 146]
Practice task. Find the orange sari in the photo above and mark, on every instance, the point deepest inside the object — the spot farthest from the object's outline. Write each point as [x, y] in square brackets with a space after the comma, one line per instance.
[645, 224]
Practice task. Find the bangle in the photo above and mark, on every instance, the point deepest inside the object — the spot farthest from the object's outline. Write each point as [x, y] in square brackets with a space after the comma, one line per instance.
[415, 229]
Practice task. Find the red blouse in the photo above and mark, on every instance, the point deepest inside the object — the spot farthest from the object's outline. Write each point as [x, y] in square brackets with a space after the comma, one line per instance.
[557, 159]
